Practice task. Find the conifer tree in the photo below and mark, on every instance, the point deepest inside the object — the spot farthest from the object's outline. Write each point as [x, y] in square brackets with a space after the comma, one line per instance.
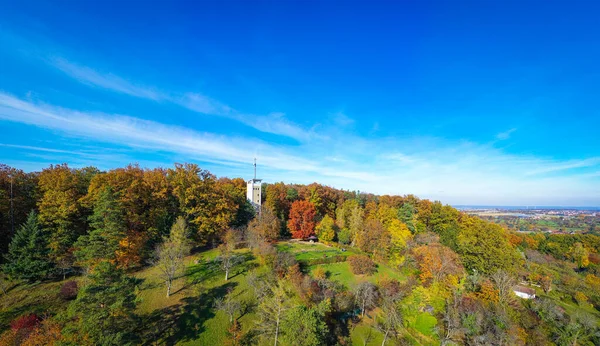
[107, 229]
[27, 257]
[104, 309]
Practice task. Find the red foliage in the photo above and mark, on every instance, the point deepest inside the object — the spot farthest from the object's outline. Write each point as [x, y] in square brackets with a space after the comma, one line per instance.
[69, 290]
[302, 219]
[25, 322]
[594, 258]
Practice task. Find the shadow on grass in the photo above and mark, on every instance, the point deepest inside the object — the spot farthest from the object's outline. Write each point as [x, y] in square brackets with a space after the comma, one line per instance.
[185, 321]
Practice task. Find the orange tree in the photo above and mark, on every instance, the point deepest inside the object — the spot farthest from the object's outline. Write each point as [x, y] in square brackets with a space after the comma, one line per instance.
[302, 219]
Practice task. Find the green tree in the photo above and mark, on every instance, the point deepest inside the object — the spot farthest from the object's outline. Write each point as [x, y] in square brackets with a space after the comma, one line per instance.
[108, 228]
[17, 198]
[27, 257]
[326, 229]
[484, 247]
[306, 324]
[580, 255]
[408, 214]
[274, 303]
[104, 311]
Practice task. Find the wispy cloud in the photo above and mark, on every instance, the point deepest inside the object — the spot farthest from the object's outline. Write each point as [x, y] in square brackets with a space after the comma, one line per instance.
[452, 172]
[110, 81]
[274, 123]
[505, 135]
[139, 133]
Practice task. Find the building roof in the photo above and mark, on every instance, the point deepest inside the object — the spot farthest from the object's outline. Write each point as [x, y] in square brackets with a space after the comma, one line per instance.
[525, 290]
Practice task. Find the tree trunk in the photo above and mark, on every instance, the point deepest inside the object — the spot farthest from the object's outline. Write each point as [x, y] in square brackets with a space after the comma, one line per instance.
[226, 274]
[385, 337]
[277, 326]
[363, 309]
[168, 288]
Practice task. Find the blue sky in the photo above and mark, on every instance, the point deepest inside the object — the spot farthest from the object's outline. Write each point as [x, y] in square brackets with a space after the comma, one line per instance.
[485, 102]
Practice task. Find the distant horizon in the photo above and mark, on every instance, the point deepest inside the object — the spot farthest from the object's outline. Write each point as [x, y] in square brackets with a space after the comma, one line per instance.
[485, 103]
[516, 207]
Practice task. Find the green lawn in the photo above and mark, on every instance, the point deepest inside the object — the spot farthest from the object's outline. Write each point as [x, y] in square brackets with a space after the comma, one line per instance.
[306, 251]
[341, 272]
[188, 317]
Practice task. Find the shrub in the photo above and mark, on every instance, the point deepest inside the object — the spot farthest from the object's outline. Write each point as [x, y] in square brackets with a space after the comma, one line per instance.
[25, 322]
[324, 260]
[362, 264]
[320, 273]
[282, 262]
[69, 290]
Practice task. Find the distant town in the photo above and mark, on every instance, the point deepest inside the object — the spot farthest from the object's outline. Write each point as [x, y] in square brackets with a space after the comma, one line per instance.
[540, 219]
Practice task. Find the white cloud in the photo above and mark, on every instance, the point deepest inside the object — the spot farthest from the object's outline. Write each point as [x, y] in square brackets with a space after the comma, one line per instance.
[505, 135]
[110, 81]
[139, 133]
[274, 123]
[458, 173]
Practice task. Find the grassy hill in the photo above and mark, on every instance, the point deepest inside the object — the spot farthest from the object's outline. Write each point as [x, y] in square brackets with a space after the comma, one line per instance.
[188, 316]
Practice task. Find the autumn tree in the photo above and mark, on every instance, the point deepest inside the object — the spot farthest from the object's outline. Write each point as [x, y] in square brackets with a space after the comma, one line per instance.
[206, 204]
[302, 219]
[483, 246]
[580, 255]
[265, 227]
[399, 236]
[107, 231]
[374, 238]
[436, 262]
[323, 198]
[61, 211]
[148, 208]
[27, 256]
[326, 229]
[546, 283]
[350, 220]
[235, 192]
[276, 199]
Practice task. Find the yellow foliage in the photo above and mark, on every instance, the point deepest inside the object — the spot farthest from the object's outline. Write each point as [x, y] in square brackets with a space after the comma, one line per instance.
[399, 234]
[593, 281]
[487, 292]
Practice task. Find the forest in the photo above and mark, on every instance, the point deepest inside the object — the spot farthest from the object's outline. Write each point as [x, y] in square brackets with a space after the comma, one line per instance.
[165, 256]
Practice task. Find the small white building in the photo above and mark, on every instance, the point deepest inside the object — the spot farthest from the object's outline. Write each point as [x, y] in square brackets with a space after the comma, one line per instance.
[254, 190]
[524, 292]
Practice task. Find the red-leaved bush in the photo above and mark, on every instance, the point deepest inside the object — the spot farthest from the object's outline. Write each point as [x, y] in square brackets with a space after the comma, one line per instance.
[25, 322]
